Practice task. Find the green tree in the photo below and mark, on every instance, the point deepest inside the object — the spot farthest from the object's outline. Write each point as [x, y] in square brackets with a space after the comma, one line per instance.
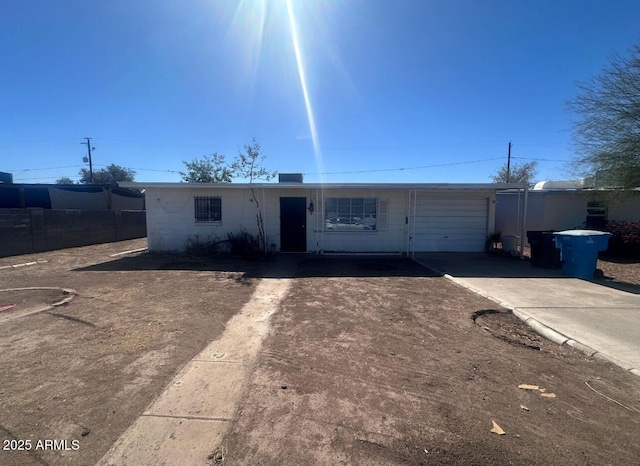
[64, 180]
[606, 131]
[524, 173]
[209, 169]
[109, 175]
[249, 165]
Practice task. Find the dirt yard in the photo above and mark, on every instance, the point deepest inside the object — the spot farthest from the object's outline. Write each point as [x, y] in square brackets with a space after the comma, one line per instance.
[86, 370]
[376, 362]
[369, 361]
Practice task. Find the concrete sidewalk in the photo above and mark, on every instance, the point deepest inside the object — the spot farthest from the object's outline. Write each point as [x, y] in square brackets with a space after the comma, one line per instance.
[597, 317]
[186, 423]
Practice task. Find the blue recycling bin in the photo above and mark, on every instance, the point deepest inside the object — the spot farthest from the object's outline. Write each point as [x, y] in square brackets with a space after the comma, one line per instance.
[579, 251]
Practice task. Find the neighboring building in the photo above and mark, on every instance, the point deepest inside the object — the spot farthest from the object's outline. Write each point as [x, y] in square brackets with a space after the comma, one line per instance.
[560, 205]
[72, 196]
[326, 218]
[6, 177]
[44, 217]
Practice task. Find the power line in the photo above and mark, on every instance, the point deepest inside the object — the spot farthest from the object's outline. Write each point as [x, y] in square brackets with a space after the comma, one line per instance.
[154, 170]
[46, 168]
[308, 174]
[40, 178]
[540, 160]
[345, 172]
[404, 168]
[143, 169]
[325, 148]
[23, 170]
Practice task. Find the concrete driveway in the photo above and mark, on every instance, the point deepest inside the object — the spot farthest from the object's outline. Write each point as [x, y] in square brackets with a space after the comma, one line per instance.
[598, 317]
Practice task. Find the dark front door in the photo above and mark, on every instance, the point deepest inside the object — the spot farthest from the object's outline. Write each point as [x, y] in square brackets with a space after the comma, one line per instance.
[293, 224]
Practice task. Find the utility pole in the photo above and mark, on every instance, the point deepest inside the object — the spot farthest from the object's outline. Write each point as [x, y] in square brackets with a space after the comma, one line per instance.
[88, 144]
[509, 164]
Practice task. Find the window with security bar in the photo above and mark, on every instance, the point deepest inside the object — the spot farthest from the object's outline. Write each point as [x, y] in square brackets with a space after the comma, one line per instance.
[208, 209]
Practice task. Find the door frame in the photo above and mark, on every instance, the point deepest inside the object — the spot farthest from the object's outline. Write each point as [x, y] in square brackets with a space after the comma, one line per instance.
[300, 242]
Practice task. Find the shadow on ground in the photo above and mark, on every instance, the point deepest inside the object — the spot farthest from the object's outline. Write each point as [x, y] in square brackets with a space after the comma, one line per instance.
[618, 259]
[622, 286]
[480, 265]
[353, 266]
[282, 266]
[173, 262]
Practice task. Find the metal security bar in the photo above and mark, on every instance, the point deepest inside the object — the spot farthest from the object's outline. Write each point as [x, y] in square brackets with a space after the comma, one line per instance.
[208, 209]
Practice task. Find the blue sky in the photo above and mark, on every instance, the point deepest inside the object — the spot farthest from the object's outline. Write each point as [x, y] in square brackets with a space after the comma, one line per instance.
[390, 84]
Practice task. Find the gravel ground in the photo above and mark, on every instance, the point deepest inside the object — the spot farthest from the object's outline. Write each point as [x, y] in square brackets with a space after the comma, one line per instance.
[621, 270]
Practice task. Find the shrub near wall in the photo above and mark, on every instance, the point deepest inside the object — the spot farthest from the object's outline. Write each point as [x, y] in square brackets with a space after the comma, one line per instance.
[625, 239]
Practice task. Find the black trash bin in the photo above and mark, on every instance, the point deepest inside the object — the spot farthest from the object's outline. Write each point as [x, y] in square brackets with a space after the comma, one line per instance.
[544, 253]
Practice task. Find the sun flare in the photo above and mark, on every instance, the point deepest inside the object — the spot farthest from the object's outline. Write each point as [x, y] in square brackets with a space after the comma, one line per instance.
[303, 84]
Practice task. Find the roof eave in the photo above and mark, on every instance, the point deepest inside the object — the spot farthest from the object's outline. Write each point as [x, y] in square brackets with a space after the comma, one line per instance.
[401, 186]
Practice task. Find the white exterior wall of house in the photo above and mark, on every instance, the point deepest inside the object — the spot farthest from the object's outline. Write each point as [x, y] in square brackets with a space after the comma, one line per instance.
[391, 238]
[556, 210]
[627, 211]
[509, 212]
[170, 218]
[419, 220]
[564, 211]
[545, 211]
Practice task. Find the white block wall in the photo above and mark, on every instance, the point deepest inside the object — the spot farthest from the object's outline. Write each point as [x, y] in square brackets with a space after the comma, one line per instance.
[545, 211]
[170, 217]
[628, 210]
[391, 239]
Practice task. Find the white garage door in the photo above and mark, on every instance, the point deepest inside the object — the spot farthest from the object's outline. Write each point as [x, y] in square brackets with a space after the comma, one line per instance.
[450, 223]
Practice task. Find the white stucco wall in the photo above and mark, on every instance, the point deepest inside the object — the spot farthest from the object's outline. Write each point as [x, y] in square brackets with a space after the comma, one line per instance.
[170, 217]
[509, 212]
[564, 211]
[628, 211]
[171, 220]
[553, 210]
[390, 239]
[545, 211]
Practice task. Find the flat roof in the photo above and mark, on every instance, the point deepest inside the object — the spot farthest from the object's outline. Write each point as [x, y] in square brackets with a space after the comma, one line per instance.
[401, 186]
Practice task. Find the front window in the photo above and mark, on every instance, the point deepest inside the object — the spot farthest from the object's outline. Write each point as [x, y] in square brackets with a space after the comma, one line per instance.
[208, 209]
[350, 214]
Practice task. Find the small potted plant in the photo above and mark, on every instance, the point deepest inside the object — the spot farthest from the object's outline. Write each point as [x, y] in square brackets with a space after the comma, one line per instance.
[491, 244]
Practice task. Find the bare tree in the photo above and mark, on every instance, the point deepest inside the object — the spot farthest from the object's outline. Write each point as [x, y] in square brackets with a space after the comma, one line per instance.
[250, 166]
[607, 126]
